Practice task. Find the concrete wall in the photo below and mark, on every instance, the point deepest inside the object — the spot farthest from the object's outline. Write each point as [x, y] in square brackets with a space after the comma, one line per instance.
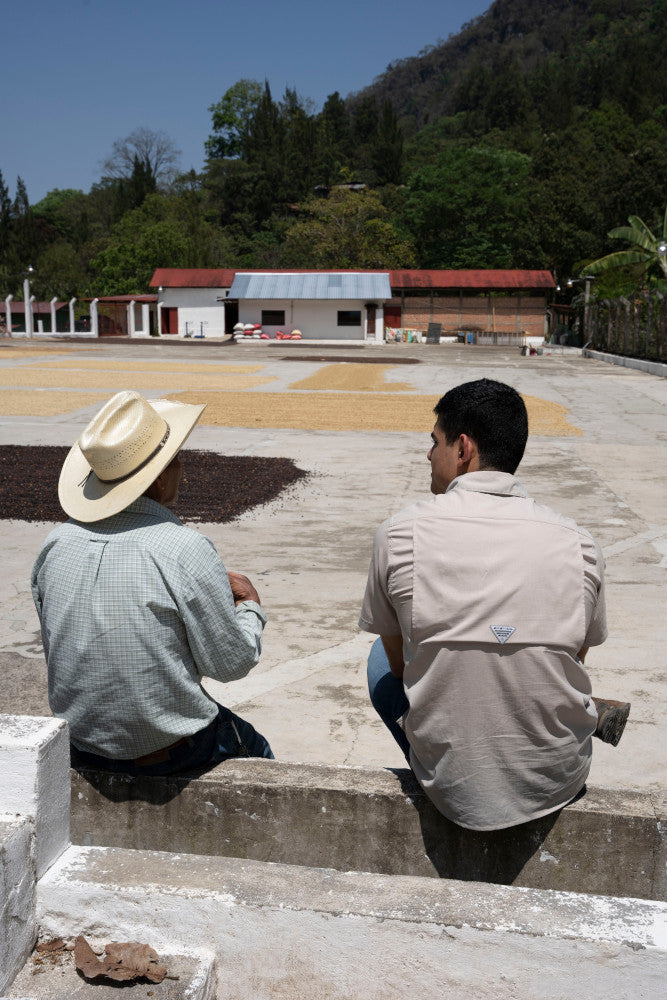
[316, 320]
[34, 826]
[18, 925]
[34, 764]
[376, 821]
[196, 306]
[281, 931]
[639, 364]
[192, 298]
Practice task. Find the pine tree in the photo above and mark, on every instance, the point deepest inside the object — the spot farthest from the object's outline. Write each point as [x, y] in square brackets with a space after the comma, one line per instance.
[387, 147]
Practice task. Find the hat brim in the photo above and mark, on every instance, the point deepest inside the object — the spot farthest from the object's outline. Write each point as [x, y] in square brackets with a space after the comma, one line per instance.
[86, 498]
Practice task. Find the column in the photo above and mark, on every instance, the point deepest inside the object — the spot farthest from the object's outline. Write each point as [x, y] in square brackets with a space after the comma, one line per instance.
[8, 314]
[94, 320]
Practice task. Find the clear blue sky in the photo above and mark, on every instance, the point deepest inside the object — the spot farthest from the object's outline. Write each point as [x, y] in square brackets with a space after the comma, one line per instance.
[77, 74]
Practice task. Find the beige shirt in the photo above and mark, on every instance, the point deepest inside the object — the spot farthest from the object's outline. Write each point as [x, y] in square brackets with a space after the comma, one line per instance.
[494, 596]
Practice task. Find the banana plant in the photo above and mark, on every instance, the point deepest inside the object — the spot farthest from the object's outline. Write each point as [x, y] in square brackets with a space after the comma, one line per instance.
[647, 250]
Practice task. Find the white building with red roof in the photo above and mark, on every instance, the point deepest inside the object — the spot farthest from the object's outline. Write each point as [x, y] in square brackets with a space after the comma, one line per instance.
[352, 305]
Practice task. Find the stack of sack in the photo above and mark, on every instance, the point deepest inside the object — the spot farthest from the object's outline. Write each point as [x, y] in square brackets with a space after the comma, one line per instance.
[294, 335]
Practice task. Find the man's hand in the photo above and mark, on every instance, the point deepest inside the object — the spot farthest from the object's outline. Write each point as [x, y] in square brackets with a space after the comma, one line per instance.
[242, 589]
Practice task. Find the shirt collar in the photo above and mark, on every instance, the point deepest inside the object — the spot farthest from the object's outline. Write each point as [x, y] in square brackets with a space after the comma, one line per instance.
[489, 481]
[144, 505]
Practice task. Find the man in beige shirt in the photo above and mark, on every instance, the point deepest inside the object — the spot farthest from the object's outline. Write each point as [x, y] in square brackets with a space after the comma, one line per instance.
[485, 603]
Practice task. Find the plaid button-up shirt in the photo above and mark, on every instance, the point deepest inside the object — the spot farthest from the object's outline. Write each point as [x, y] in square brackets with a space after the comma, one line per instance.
[135, 609]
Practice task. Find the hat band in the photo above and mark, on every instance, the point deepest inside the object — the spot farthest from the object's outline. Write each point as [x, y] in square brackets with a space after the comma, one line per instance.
[141, 464]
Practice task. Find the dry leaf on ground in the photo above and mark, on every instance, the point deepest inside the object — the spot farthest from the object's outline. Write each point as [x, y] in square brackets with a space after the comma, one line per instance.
[122, 961]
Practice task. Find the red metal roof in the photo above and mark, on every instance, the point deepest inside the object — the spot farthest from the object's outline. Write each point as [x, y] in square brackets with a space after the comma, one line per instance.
[124, 298]
[195, 277]
[482, 279]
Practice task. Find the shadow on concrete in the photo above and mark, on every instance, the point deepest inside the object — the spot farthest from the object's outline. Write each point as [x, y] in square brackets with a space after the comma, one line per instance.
[117, 787]
[497, 856]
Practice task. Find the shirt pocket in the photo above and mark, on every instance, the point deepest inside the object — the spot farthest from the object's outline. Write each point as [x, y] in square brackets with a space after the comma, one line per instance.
[479, 580]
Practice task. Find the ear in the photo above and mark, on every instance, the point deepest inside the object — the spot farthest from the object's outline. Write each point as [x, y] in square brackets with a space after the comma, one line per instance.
[467, 450]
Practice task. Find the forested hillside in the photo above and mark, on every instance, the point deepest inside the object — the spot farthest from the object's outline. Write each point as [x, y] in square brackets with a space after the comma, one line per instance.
[519, 142]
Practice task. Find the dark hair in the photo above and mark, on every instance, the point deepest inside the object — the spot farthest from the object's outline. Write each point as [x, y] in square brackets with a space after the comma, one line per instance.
[493, 415]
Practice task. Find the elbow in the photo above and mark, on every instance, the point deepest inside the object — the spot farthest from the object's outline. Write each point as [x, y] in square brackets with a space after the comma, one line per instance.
[249, 659]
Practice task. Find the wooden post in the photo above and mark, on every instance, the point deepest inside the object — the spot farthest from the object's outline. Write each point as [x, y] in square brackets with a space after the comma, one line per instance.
[626, 324]
[662, 322]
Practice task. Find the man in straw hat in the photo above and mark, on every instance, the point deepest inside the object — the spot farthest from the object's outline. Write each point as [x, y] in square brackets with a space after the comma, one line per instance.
[136, 608]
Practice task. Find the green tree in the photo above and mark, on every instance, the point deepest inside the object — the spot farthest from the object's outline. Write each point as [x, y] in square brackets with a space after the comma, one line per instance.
[231, 118]
[299, 136]
[333, 141]
[470, 210]
[60, 271]
[5, 225]
[387, 147]
[23, 236]
[157, 234]
[347, 229]
[140, 184]
[61, 208]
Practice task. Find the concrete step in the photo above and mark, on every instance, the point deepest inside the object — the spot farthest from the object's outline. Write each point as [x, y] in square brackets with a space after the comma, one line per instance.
[282, 932]
[606, 843]
[53, 976]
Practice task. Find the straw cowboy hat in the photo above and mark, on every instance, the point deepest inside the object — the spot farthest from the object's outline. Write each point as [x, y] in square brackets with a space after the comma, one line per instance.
[121, 452]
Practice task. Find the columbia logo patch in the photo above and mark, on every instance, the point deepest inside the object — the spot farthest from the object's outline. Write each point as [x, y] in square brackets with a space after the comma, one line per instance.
[502, 632]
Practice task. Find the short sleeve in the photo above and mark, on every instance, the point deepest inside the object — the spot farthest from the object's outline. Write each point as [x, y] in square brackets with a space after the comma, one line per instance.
[377, 613]
[594, 591]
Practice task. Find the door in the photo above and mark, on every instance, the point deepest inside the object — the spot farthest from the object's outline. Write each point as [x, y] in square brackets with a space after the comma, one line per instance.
[169, 319]
[392, 316]
[370, 321]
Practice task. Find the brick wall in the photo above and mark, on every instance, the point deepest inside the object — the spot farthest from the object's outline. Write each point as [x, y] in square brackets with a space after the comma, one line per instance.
[507, 313]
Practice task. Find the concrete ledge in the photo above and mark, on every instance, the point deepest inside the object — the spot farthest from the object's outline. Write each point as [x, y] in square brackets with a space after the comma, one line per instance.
[651, 367]
[608, 843]
[189, 978]
[281, 931]
[34, 762]
[18, 927]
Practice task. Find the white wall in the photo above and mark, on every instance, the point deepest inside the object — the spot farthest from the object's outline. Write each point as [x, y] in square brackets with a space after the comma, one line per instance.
[196, 306]
[209, 320]
[192, 297]
[18, 926]
[317, 320]
[34, 764]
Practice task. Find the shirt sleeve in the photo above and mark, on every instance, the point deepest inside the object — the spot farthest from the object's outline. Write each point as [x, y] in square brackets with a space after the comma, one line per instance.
[594, 591]
[225, 640]
[377, 612]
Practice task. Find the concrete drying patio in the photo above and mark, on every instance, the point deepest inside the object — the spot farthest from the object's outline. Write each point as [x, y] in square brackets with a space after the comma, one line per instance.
[242, 874]
[308, 551]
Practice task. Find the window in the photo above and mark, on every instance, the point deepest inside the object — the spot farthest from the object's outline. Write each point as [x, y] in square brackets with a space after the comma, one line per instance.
[273, 317]
[349, 317]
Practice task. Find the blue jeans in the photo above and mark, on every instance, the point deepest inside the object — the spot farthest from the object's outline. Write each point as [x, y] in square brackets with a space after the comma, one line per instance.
[387, 694]
[228, 735]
